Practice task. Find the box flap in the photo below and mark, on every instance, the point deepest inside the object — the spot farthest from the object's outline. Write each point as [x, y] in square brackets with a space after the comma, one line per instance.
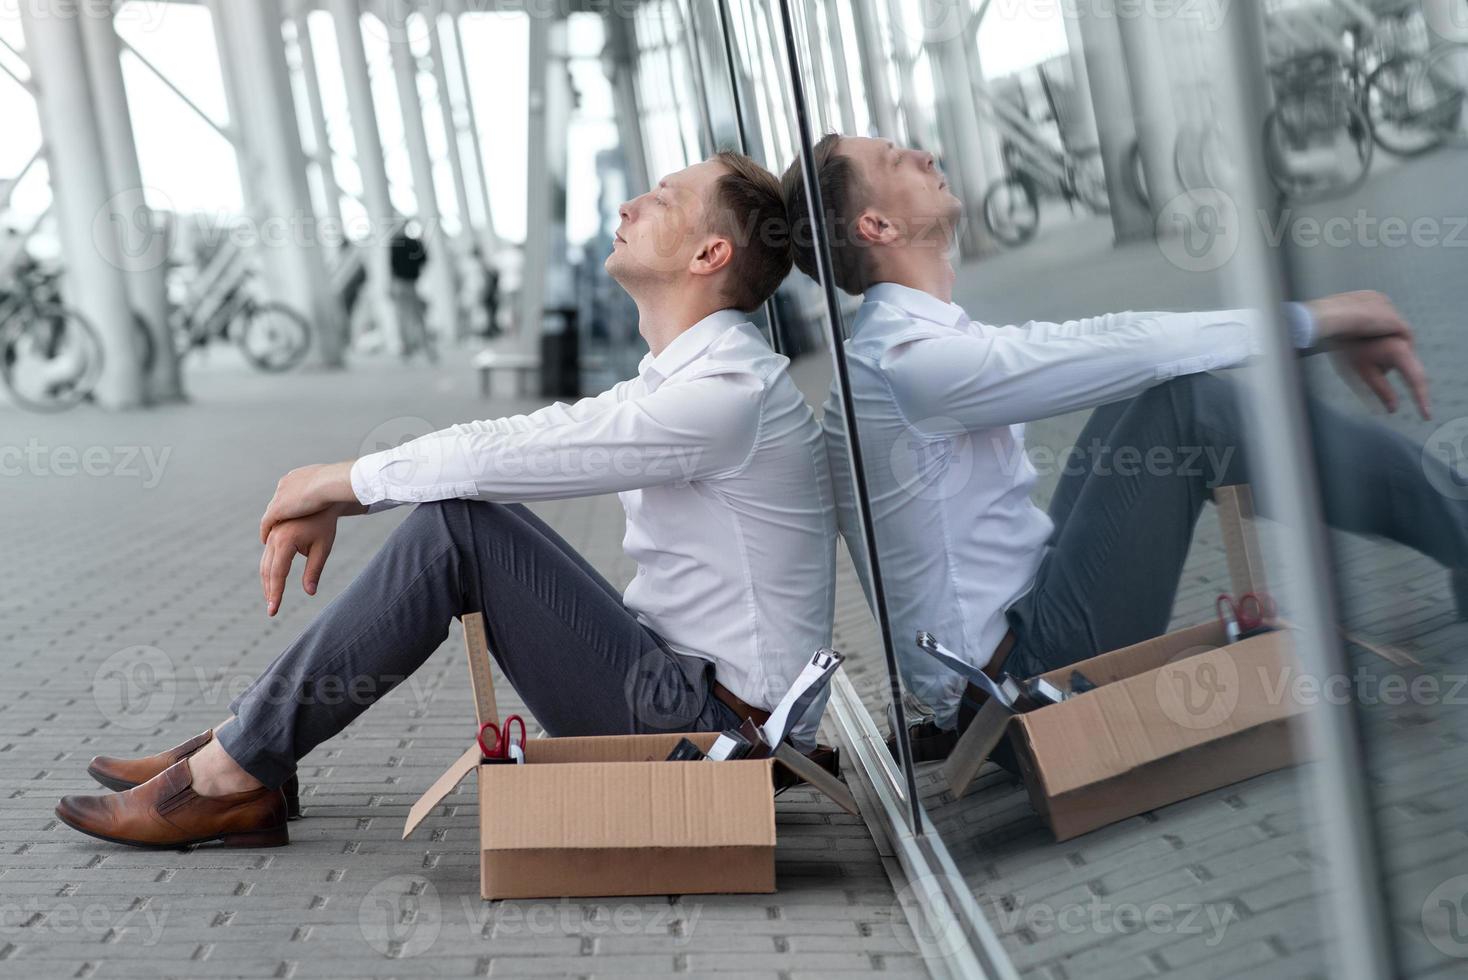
[1161, 712]
[636, 804]
[451, 777]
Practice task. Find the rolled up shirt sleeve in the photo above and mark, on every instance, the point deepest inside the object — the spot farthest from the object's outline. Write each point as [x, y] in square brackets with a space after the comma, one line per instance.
[693, 430]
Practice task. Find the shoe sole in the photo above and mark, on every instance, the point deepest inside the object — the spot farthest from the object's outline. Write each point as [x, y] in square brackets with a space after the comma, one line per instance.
[293, 803]
[269, 837]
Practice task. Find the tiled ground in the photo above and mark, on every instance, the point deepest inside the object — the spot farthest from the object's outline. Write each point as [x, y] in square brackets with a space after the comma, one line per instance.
[1230, 874]
[130, 611]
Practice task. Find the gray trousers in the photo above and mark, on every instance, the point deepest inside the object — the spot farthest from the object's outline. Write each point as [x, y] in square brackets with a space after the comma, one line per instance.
[1122, 532]
[574, 653]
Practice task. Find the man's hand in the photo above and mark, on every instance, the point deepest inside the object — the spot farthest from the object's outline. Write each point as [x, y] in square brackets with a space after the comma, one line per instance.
[1367, 363]
[307, 490]
[311, 536]
[1360, 315]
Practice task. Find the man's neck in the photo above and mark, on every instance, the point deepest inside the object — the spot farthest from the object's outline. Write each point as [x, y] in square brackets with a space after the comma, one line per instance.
[928, 269]
[662, 319]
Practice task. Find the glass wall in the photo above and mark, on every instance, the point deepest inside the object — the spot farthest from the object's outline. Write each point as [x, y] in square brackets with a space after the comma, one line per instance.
[1144, 320]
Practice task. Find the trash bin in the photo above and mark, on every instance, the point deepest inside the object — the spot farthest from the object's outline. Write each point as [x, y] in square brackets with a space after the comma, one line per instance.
[560, 361]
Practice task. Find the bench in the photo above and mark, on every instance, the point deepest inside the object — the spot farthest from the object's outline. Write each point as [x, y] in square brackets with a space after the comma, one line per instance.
[523, 366]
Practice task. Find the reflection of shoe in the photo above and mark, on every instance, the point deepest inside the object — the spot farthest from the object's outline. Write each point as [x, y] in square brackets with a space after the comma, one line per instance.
[929, 742]
[166, 812]
[124, 774]
[934, 744]
[1460, 592]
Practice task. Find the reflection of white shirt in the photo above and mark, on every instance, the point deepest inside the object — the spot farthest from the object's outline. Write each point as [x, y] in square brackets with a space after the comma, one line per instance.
[941, 403]
[720, 467]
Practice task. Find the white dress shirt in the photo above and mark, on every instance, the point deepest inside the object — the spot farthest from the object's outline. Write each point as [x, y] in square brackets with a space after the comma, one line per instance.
[941, 402]
[720, 467]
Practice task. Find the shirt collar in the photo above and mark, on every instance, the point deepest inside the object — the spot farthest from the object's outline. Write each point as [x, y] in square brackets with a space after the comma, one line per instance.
[690, 343]
[915, 302]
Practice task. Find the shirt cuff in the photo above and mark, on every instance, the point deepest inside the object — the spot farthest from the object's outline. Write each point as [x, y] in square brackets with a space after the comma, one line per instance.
[367, 491]
[1302, 325]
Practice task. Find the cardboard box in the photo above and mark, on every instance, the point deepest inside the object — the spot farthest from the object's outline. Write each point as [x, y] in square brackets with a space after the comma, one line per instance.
[608, 816]
[1170, 718]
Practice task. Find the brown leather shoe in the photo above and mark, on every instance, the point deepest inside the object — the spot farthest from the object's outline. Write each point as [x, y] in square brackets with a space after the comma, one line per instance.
[121, 774]
[166, 812]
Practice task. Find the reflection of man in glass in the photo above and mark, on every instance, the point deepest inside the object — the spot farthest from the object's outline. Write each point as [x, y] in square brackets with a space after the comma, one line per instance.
[942, 400]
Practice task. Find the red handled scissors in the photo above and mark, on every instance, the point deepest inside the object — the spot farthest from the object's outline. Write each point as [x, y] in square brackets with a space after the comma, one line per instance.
[1251, 611]
[503, 746]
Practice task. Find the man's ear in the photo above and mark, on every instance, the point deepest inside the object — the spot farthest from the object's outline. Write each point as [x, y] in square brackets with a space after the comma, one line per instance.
[872, 228]
[714, 254]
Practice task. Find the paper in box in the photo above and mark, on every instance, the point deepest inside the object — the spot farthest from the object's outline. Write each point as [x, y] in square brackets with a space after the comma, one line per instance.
[607, 815]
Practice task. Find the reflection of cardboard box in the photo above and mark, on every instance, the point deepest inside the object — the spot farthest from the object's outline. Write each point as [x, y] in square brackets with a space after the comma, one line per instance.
[1170, 718]
[608, 816]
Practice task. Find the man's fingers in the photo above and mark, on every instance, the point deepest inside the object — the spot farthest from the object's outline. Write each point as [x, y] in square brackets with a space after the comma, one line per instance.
[268, 520]
[280, 567]
[264, 566]
[1416, 377]
[315, 562]
[1376, 380]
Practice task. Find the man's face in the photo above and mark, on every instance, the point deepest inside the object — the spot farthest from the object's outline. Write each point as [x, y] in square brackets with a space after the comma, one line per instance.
[903, 186]
[664, 230]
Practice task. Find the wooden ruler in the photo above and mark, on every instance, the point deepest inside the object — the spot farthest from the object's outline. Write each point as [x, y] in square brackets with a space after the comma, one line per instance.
[481, 674]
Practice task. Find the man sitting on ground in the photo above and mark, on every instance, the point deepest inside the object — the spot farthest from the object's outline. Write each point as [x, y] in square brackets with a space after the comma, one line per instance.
[718, 463]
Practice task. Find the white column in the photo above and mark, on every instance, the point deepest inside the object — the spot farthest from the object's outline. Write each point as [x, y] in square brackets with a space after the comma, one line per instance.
[622, 73]
[325, 166]
[235, 102]
[1152, 108]
[968, 158]
[143, 253]
[377, 245]
[450, 126]
[1116, 129]
[289, 238]
[820, 89]
[94, 282]
[844, 80]
[537, 190]
[442, 280]
[471, 125]
[872, 54]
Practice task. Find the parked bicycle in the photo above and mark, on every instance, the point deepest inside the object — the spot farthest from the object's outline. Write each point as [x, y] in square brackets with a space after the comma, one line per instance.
[1034, 168]
[50, 355]
[1012, 203]
[1318, 140]
[272, 336]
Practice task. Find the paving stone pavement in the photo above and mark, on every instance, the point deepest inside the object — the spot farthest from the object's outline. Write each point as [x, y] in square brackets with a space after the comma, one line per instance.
[130, 612]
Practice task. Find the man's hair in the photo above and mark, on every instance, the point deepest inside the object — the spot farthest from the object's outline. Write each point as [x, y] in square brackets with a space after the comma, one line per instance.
[747, 208]
[843, 195]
